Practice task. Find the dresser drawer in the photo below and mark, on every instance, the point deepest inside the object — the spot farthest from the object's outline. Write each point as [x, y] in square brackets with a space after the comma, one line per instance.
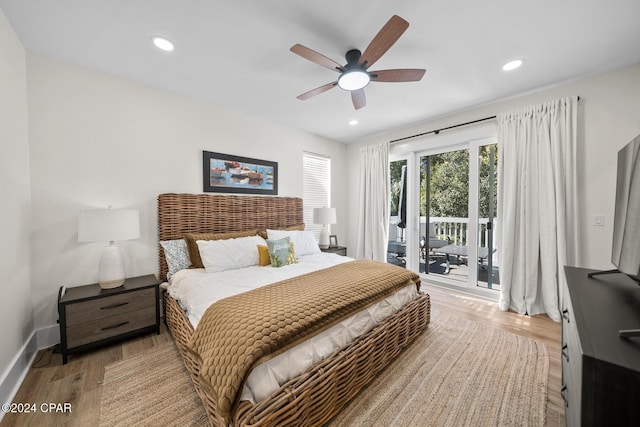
[109, 306]
[107, 327]
[571, 365]
[572, 380]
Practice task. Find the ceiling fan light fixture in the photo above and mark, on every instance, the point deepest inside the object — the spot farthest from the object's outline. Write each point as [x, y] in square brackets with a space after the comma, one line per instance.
[354, 76]
[354, 80]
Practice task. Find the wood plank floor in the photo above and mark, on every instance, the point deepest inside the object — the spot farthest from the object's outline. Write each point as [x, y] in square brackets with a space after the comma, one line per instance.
[79, 382]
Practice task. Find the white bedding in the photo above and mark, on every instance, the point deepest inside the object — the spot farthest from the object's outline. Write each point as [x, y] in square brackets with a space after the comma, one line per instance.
[197, 290]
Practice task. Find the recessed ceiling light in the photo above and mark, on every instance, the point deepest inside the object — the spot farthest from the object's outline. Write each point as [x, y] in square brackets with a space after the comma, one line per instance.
[512, 65]
[162, 43]
[353, 122]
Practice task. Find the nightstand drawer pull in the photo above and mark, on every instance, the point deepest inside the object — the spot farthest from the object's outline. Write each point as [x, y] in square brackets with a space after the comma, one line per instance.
[565, 314]
[563, 393]
[114, 326]
[566, 355]
[106, 307]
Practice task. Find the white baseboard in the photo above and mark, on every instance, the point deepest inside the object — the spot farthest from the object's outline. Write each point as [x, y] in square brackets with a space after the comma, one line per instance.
[17, 371]
[48, 336]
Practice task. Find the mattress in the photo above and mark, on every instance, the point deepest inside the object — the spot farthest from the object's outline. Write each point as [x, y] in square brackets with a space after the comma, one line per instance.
[196, 290]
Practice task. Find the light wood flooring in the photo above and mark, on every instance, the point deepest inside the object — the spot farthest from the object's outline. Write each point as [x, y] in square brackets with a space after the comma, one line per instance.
[79, 382]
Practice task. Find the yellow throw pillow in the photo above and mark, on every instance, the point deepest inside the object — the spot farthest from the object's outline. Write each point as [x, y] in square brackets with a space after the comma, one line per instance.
[263, 255]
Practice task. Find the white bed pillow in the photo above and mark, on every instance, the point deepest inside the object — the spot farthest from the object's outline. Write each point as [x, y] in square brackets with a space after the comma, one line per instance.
[304, 242]
[229, 254]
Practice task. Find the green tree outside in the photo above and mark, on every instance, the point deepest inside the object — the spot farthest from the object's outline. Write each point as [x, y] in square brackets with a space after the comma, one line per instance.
[449, 189]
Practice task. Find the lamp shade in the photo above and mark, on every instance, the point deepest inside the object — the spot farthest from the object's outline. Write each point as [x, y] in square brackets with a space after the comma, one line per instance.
[324, 216]
[108, 225]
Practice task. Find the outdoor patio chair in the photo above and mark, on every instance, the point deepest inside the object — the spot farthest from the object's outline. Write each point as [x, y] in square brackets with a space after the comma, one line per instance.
[434, 242]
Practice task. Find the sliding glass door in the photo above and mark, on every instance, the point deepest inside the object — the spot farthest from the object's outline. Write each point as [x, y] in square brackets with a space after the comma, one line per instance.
[488, 271]
[444, 214]
[397, 248]
[451, 196]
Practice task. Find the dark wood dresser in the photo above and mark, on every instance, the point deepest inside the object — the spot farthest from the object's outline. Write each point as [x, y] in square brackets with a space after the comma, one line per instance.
[91, 316]
[600, 370]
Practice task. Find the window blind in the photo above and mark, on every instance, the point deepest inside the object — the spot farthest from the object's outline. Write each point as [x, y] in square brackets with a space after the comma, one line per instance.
[316, 170]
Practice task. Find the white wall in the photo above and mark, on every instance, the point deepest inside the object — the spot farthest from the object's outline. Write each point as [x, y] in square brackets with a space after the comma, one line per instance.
[16, 315]
[98, 140]
[609, 117]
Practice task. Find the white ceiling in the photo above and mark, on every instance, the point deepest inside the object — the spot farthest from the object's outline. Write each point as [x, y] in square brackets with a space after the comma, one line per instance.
[235, 54]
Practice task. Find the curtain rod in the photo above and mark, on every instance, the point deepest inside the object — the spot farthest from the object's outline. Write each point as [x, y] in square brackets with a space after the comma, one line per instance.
[437, 131]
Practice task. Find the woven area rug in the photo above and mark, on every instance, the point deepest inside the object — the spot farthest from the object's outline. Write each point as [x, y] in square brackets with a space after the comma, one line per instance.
[458, 373]
[152, 388]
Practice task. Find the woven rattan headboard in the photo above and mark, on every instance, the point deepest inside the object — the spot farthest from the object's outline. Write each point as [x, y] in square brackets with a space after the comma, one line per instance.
[218, 213]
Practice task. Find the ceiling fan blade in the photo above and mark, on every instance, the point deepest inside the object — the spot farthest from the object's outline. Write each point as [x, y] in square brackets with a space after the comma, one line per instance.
[358, 98]
[397, 75]
[316, 57]
[385, 38]
[317, 91]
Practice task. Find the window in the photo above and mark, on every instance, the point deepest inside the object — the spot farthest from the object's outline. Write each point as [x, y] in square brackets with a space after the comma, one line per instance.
[316, 193]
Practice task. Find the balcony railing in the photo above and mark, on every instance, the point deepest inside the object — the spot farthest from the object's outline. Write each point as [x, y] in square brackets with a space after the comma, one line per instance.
[454, 229]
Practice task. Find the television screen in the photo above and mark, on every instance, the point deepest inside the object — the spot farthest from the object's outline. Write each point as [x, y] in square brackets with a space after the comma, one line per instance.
[625, 253]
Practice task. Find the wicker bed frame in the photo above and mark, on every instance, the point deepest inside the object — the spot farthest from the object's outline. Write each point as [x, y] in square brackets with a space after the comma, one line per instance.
[315, 396]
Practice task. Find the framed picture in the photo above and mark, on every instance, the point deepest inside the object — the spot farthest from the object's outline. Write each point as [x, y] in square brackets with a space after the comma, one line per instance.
[333, 241]
[224, 173]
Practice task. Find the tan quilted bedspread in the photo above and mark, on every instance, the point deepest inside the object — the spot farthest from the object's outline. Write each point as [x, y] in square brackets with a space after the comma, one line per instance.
[236, 332]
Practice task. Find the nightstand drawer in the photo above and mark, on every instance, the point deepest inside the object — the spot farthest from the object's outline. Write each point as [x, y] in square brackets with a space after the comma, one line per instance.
[109, 306]
[91, 317]
[107, 327]
[340, 250]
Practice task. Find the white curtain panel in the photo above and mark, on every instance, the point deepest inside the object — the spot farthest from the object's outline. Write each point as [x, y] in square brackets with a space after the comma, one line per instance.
[374, 207]
[537, 205]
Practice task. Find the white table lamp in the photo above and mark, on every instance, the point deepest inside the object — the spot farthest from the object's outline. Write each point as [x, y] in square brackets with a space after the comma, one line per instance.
[109, 225]
[324, 216]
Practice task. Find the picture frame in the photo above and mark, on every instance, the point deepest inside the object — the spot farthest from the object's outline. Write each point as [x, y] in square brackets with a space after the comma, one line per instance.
[226, 173]
[333, 241]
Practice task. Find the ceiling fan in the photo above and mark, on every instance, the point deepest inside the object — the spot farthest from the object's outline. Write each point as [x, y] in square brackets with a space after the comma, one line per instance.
[354, 75]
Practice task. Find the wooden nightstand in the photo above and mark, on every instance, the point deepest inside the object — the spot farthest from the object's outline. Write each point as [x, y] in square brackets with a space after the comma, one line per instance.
[91, 316]
[340, 250]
